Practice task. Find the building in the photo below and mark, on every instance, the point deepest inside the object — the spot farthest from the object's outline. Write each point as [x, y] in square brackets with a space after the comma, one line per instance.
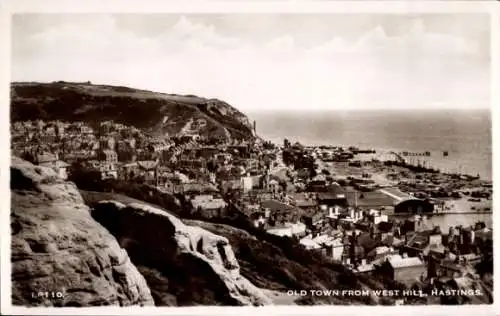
[107, 142]
[279, 211]
[421, 244]
[198, 188]
[370, 200]
[60, 130]
[229, 185]
[128, 171]
[331, 247]
[304, 200]
[108, 155]
[389, 200]
[405, 203]
[332, 199]
[208, 206]
[247, 183]
[406, 270]
[380, 252]
[108, 170]
[147, 165]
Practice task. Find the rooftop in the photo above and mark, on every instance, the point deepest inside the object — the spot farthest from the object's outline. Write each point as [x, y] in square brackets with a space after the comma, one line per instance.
[369, 199]
[396, 195]
[275, 206]
[331, 195]
[365, 268]
[397, 261]
[209, 204]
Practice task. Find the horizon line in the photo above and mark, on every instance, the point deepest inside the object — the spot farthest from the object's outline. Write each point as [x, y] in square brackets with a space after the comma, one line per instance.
[365, 108]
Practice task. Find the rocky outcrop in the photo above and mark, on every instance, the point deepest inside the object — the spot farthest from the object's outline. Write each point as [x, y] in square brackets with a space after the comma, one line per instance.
[183, 265]
[60, 255]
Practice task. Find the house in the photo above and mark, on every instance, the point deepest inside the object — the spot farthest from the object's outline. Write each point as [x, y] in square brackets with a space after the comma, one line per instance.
[125, 152]
[107, 143]
[309, 243]
[147, 165]
[407, 270]
[84, 129]
[198, 188]
[376, 217]
[332, 199]
[108, 155]
[303, 200]
[158, 146]
[128, 170]
[193, 163]
[331, 247]
[276, 206]
[206, 152]
[314, 185]
[388, 239]
[229, 185]
[380, 252]
[208, 205]
[108, 170]
[337, 249]
[353, 254]
[423, 243]
[365, 268]
[247, 183]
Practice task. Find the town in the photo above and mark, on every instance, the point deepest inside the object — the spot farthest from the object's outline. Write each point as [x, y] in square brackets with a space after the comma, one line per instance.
[370, 211]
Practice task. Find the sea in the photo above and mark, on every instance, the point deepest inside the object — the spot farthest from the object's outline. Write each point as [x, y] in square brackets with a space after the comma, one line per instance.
[466, 136]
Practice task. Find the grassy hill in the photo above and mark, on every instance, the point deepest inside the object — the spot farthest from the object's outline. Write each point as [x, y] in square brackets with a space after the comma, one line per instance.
[153, 112]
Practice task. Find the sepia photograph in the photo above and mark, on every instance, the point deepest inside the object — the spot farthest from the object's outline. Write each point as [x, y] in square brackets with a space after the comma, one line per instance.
[250, 159]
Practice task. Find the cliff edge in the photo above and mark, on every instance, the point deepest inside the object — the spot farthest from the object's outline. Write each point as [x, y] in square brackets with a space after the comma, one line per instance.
[152, 112]
[60, 255]
[184, 265]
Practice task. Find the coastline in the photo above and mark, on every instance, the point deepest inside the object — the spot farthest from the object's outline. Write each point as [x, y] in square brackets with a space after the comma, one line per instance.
[452, 211]
[464, 134]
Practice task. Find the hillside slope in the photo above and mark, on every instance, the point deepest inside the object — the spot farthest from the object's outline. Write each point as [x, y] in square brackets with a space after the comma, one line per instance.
[64, 254]
[268, 266]
[60, 255]
[183, 265]
[154, 112]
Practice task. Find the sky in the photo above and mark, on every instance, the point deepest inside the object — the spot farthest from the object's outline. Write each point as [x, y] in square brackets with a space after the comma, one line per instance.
[267, 61]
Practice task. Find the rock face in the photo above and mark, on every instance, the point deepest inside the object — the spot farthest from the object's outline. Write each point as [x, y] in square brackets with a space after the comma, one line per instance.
[60, 255]
[183, 265]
